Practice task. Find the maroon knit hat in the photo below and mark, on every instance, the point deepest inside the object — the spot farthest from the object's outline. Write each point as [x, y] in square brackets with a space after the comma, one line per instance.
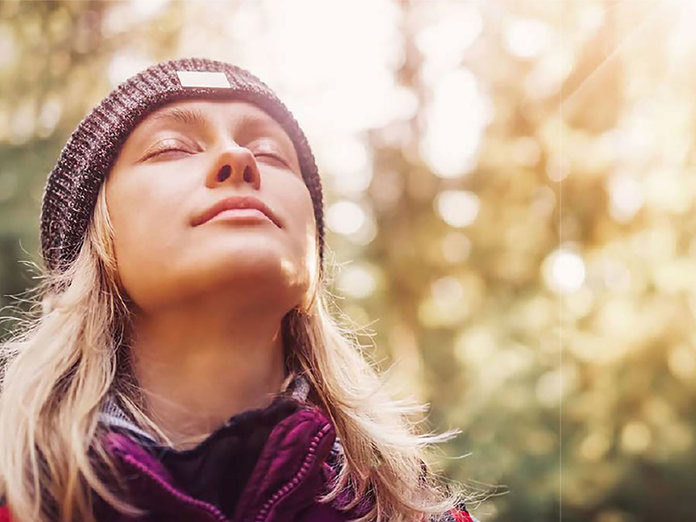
[73, 185]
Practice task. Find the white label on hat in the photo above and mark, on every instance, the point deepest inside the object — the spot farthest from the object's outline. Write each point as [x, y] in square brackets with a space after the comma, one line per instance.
[203, 79]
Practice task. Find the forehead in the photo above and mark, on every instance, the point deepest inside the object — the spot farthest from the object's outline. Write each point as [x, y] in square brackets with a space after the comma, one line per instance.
[206, 112]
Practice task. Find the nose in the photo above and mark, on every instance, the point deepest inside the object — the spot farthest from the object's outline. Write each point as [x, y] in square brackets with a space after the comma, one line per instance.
[234, 165]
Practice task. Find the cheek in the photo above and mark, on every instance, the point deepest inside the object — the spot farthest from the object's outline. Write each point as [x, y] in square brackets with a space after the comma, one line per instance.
[301, 209]
[308, 238]
[141, 214]
[146, 227]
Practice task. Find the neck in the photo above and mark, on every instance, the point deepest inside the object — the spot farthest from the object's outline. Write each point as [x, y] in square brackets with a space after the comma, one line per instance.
[201, 364]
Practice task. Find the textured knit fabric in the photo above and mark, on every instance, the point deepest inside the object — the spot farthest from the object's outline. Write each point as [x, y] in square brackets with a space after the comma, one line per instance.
[113, 416]
[266, 464]
[73, 185]
[240, 468]
[229, 464]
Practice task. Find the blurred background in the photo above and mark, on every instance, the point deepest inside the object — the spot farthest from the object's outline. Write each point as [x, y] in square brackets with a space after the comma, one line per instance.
[510, 197]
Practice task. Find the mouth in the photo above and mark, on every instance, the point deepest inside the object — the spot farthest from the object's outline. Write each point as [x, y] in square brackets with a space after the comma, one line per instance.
[238, 206]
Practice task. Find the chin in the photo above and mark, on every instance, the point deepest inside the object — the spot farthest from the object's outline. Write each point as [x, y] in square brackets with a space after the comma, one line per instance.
[254, 271]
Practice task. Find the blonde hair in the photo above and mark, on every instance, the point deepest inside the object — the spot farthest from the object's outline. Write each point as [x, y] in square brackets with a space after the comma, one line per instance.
[69, 354]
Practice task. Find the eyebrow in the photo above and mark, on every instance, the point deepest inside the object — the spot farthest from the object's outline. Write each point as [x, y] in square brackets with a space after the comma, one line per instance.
[192, 117]
[196, 118]
[181, 115]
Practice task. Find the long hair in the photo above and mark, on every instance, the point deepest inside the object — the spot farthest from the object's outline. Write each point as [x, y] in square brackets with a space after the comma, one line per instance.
[69, 354]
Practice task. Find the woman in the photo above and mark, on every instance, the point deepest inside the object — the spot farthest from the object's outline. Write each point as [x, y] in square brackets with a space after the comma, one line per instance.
[183, 364]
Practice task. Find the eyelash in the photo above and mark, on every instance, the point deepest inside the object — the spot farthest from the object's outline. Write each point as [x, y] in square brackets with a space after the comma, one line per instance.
[174, 149]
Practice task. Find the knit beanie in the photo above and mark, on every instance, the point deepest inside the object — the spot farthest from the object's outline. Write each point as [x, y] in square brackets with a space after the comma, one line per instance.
[71, 191]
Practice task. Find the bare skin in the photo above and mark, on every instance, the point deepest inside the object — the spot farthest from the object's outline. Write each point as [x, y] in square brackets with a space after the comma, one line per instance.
[209, 297]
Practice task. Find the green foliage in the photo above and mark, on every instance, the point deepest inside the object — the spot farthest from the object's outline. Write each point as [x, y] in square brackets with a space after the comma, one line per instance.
[546, 308]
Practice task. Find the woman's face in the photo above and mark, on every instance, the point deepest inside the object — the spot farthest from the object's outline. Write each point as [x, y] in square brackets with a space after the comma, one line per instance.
[175, 167]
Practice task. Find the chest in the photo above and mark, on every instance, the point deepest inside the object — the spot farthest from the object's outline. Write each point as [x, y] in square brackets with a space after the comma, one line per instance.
[285, 476]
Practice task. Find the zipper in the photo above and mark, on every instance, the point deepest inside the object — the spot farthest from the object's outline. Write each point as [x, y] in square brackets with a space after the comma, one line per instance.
[292, 484]
[207, 508]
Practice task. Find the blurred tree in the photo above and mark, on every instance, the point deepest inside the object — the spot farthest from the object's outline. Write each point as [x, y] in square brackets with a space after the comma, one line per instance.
[525, 251]
[58, 61]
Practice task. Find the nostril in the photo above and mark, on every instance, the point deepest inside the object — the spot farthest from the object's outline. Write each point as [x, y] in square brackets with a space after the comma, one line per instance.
[247, 174]
[224, 173]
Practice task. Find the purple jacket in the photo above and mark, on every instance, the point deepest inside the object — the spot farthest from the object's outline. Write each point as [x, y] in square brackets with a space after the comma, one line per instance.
[263, 465]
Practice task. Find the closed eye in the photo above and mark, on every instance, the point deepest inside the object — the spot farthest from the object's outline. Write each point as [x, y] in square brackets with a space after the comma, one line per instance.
[164, 150]
[157, 153]
[274, 156]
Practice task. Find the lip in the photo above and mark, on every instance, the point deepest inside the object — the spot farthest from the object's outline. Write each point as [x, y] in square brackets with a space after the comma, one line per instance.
[236, 202]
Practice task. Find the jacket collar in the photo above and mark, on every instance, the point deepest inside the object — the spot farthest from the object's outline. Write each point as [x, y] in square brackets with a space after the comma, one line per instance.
[112, 415]
[295, 461]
